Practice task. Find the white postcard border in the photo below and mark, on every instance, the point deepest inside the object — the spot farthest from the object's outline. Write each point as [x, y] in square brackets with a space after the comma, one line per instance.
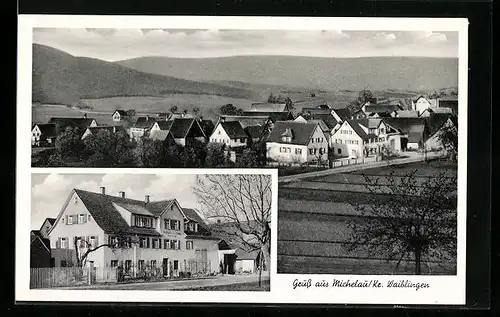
[443, 289]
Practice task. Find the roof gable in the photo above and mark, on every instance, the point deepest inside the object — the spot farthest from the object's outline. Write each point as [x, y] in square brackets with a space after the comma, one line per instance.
[233, 129]
[302, 132]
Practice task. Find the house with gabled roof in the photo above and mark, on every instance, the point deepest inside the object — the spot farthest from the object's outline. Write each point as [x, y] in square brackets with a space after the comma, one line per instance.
[362, 137]
[183, 129]
[43, 134]
[229, 133]
[94, 130]
[81, 124]
[295, 143]
[421, 103]
[430, 111]
[438, 124]
[119, 115]
[141, 127]
[135, 234]
[451, 103]
[414, 131]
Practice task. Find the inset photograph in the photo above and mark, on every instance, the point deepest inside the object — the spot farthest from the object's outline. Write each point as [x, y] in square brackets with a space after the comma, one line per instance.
[151, 231]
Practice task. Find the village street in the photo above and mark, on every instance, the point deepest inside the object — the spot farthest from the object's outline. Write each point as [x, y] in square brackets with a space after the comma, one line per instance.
[179, 284]
[411, 158]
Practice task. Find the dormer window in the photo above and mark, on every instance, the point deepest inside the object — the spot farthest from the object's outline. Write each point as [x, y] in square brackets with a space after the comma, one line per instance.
[145, 222]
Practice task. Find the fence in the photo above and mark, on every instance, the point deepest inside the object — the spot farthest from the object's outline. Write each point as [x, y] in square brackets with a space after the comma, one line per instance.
[52, 277]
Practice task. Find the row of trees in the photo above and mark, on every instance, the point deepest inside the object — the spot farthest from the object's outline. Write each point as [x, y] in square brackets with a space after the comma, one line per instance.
[107, 149]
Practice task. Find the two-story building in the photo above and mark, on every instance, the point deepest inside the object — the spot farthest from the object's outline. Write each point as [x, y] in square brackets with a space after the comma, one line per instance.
[43, 134]
[422, 103]
[295, 143]
[120, 115]
[183, 129]
[231, 134]
[135, 234]
[141, 127]
[358, 138]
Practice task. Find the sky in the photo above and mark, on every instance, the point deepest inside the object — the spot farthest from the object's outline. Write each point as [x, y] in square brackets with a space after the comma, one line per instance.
[50, 191]
[121, 44]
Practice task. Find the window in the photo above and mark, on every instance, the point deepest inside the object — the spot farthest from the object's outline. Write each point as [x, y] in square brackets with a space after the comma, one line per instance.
[176, 265]
[350, 131]
[140, 264]
[128, 265]
[143, 242]
[315, 150]
[310, 151]
[339, 151]
[114, 263]
[173, 224]
[312, 140]
[298, 151]
[70, 220]
[153, 264]
[113, 241]
[175, 245]
[64, 244]
[189, 245]
[93, 241]
[242, 140]
[166, 244]
[156, 243]
[75, 200]
[143, 222]
[81, 218]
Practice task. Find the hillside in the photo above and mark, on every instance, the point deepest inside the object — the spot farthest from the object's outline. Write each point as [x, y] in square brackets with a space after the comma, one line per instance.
[332, 74]
[61, 78]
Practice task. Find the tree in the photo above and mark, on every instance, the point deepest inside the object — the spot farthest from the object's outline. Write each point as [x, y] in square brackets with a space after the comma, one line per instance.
[448, 136]
[387, 154]
[242, 204]
[193, 154]
[289, 103]
[196, 111]
[174, 109]
[364, 95]
[68, 145]
[230, 110]
[249, 158]
[215, 155]
[407, 217]
[131, 113]
[149, 153]
[108, 149]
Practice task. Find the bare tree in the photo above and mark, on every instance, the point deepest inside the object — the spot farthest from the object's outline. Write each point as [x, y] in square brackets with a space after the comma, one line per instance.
[83, 247]
[407, 217]
[242, 204]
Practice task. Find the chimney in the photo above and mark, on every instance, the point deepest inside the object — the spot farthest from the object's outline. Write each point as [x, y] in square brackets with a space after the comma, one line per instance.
[218, 220]
[147, 117]
[122, 194]
[103, 190]
[146, 199]
[85, 116]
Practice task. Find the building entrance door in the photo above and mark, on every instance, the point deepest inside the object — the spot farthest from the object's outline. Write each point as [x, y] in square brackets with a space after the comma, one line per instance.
[164, 266]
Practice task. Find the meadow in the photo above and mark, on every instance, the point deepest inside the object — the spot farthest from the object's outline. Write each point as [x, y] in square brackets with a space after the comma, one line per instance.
[313, 223]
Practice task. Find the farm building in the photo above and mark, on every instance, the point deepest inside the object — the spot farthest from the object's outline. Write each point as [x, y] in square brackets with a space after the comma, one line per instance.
[43, 134]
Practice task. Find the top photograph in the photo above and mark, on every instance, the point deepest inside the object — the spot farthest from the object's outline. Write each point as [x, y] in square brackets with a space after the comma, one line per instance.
[300, 101]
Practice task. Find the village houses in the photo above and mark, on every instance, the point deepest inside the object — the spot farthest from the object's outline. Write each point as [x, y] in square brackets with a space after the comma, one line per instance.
[43, 134]
[295, 143]
[120, 115]
[183, 129]
[231, 134]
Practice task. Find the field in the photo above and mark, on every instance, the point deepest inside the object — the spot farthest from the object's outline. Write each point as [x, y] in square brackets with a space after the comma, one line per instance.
[101, 109]
[313, 223]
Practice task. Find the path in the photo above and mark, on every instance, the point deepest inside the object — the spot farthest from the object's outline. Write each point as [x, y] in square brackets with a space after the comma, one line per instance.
[178, 284]
[413, 157]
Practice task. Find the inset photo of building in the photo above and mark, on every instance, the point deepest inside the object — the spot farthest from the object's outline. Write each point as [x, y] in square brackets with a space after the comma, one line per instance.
[151, 231]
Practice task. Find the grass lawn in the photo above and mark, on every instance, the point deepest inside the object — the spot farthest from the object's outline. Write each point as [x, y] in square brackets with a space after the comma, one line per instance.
[286, 171]
[246, 287]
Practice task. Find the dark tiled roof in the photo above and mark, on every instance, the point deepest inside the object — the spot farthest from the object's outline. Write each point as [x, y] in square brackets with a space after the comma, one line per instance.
[328, 119]
[435, 121]
[449, 103]
[35, 234]
[234, 129]
[415, 128]
[407, 114]
[144, 122]
[181, 127]
[246, 121]
[159, 135]
[343, 113]
[355, 125]
[316, 111]
[202, 237]
[381, 108]
[207, 126]
[51, 221]
[107, 217]
[111, 129]
[157, 207]
[62, 123]
[164, 125]
[302, 132]
[324, 127]
[193, 215]
[255, 132]
[47, 129]
[122, 113]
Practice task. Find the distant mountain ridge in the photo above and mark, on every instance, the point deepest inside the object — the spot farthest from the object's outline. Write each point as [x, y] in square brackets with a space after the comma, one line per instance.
[332, 74]
[61, 78]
